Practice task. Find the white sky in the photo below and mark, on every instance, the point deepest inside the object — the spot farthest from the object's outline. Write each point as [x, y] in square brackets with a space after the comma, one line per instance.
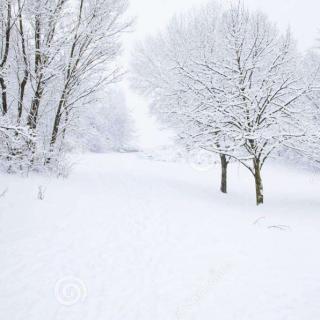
[302, 16]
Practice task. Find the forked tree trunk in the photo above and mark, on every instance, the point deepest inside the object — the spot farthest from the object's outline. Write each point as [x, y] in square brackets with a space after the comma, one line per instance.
[224, 167]
[258, 181]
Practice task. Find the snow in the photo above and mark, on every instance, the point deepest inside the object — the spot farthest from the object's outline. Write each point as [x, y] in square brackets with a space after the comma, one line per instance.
[128, 238]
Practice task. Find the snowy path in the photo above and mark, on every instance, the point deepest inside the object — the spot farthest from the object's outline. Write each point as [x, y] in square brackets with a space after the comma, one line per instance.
[139, 240]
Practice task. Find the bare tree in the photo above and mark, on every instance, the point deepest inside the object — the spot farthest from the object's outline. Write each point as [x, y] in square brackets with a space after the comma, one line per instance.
[94, 47]
[48, 44]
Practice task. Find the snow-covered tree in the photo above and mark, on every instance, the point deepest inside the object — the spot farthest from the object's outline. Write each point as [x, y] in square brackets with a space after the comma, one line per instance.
[93, 48]
[228, 83]
[54, 57]
[306, 148]
[170, 69]
[262, 89]
[6, 15]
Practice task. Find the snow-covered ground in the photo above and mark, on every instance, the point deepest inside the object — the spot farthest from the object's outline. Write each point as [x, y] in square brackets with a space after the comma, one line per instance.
[126, 238]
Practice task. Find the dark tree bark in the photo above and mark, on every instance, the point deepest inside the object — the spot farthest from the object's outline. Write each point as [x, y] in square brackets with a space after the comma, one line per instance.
[4, 96]
[34, 109]
[224, 167]
[258, 181]
[23, 83]
[57, 121]
[5, 59]
[71, 69]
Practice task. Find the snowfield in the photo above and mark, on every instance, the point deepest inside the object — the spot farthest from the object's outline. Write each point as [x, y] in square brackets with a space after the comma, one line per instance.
[126, 238]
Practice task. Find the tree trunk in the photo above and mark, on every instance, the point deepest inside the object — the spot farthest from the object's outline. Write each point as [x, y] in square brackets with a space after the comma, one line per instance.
[224, 166]
[5, 59]
[4, 96]
[34, 110]
[22, 85]
[56, 125]
[35, 104]
[258, 181]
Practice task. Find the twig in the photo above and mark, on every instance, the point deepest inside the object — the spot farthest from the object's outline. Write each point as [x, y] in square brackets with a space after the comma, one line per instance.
[280, 227]
[3, 193]
[258, 220]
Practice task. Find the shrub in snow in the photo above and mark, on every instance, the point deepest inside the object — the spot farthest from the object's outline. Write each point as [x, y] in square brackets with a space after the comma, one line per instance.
[15, 147]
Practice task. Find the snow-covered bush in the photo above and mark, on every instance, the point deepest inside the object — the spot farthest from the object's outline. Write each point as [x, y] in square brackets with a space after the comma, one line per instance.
[15, 147]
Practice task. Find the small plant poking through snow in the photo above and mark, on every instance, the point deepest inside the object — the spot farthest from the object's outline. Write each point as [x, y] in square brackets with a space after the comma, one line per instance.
[41, 192]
